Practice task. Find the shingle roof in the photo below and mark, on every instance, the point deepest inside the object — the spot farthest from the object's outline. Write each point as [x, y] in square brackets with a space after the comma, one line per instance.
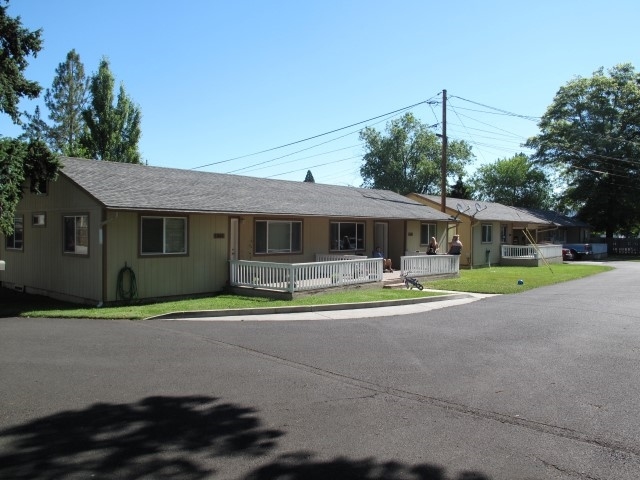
[488, 210]
[556, 218]
[126, 186]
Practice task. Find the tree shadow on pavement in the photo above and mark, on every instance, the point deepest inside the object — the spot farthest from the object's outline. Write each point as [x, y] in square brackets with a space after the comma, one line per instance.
[302, 466]
[175, 438]
[157, 437]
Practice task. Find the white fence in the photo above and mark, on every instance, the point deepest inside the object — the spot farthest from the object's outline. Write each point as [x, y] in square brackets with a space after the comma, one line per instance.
[295, 277]
[332, 257]
[529, 251]
[423, 265]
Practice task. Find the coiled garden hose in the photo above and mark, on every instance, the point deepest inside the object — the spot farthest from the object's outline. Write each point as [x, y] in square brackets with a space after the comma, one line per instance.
[121, 292]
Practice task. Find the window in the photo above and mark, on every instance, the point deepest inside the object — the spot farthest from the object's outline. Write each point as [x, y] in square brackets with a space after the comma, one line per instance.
[346, 236]
[427, 230]
[275, 236]
[503, 233]
[163, 235]
[75, 232]
[487, 233]
[38, 220]
[15, 241]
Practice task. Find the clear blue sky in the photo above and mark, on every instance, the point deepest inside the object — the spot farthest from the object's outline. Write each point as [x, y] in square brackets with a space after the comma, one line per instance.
[219, 80]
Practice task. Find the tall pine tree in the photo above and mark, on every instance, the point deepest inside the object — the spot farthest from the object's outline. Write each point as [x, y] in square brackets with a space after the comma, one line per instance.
[66, 100]
[460, 190]
[113, 131]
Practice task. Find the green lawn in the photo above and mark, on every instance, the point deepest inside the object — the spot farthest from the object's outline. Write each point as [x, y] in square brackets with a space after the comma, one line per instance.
[504, 280]
[499, 280]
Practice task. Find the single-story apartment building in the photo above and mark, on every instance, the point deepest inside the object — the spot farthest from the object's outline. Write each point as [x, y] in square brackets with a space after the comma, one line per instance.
[177, 230]
[484, 227]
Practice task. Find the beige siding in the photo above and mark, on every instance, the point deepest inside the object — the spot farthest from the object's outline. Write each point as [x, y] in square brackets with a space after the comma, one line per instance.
[479, 249]
[315, 239]
[203, 270]
[413, 236]
[42, 267]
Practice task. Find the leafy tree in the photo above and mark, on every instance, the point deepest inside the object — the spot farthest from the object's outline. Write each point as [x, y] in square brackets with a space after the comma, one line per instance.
[16, 44]
[66, 100]
[309, 178]
[408, 158]
[514, 181]
[460, 190]
[20, 162]
[12, 153]
[591, 135]
[113, 131]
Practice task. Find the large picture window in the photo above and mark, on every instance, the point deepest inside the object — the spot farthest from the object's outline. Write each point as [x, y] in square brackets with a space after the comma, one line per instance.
[163, 235]
[15, 241]
[487, 233]
[75, 232]
[346, 236]
[277, 236]
[427, 230]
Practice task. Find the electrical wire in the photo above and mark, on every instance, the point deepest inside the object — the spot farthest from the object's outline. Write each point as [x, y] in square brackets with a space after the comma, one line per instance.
[260, 165]
[312, 137]
[504, 112]
[464, 126]
[319, 165]
[504, 144]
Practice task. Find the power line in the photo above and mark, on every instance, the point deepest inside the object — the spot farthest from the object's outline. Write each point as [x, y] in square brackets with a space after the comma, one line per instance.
[260, 167]
[504, 112]
[465, 127]
[261, 164]
[319, 165]
[312, 137]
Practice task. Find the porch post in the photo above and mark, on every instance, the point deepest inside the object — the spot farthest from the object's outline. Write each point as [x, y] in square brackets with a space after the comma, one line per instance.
[292, 279]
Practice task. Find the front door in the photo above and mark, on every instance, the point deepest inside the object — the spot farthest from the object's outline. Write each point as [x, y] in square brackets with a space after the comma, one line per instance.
[381, 237]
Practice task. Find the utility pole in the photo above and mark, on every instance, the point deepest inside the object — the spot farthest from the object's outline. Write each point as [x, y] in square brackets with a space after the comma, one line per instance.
[443, 164]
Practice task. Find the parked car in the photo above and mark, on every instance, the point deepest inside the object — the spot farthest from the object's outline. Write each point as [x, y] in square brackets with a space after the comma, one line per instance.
[567, 254]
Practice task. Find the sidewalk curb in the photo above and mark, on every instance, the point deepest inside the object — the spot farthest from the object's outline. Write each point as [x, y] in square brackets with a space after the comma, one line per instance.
[305, 308]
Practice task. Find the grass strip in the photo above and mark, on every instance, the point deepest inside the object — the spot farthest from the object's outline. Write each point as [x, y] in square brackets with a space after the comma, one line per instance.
[494, 280]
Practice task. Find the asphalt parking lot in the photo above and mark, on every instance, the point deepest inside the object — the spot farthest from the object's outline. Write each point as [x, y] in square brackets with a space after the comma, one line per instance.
[538, 385]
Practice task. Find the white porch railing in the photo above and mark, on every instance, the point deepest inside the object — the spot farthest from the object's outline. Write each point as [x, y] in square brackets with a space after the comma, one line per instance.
[294, 277]
[529, 251]
[423, 265]
[332, 257]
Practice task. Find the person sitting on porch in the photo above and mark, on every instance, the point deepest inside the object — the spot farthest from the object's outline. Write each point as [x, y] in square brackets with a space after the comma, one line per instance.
[456, 246]
[386, 262]
[433, 246]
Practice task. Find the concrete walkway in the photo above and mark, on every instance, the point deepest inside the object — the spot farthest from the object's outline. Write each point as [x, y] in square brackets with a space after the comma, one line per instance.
[332, 311]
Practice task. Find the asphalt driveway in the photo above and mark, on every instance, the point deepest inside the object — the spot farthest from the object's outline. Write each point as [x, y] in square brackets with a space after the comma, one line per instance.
[538, 385]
